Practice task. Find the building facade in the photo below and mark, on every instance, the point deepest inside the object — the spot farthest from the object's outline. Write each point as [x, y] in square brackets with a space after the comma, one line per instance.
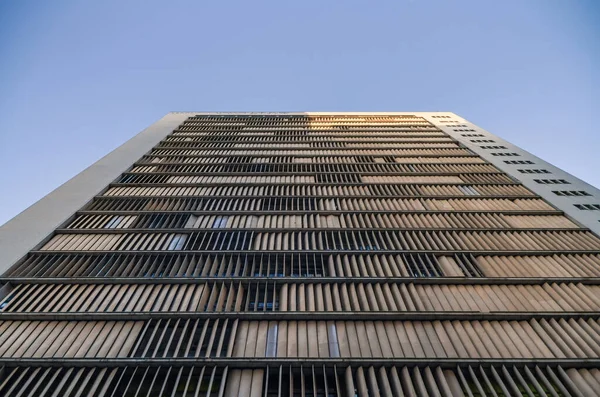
[306, 254]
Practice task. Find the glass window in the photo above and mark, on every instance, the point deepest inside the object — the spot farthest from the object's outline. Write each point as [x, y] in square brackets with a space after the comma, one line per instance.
[220, 222]
[177, 242]
[334, 347]
[468, 190]
[272, 340]
[114, 222]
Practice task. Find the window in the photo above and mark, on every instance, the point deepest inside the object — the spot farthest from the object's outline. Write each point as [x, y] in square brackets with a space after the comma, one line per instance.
[334, 346]
[588, 207]
[518, 162]
[552, 181]
[177, 242]
[127, 178]
[470, 135]
[493, 147]
[156, 221]
[338, 178]
[422, 265]
[114, 222]
[272, 333]
[570, 193]
[468, 265]
[262, 298]
[505, 154]
[533, 171]
[220, 222]
[468, 190]
[6, 300]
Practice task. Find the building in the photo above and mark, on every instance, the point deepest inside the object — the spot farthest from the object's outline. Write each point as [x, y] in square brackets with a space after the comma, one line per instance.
[305, 254]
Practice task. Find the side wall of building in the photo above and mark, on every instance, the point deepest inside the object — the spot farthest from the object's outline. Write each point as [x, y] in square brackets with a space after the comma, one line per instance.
[511, 159]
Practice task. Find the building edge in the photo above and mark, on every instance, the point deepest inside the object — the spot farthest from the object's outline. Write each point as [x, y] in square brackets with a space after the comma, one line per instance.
[32, 226]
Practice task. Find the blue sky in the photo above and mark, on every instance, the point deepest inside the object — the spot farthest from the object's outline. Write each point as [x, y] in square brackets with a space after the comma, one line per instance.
[78, 78]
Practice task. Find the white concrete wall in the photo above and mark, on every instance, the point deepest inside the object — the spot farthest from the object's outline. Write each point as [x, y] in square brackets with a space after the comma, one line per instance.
[589, 219]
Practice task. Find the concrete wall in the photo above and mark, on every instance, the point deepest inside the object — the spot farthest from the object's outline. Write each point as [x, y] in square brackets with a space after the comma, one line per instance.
[455, 126]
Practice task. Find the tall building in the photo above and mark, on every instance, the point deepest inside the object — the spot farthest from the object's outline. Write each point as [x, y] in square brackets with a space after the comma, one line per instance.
[305, 254]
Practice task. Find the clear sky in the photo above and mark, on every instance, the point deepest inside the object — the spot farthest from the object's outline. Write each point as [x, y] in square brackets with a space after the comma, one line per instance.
[79, 78]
